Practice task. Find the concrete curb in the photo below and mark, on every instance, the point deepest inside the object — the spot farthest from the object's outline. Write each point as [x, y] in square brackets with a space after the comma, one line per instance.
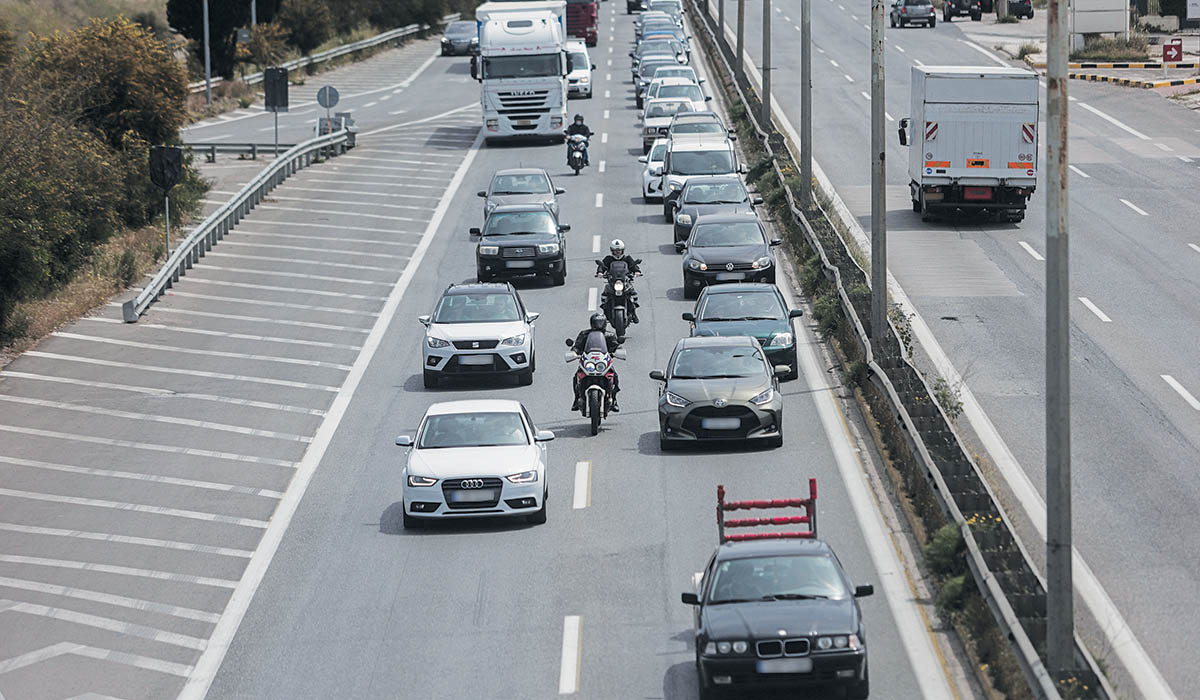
[1130, 82]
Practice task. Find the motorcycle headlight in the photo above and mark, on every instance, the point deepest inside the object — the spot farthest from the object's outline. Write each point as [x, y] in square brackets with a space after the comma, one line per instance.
[547, 249]
[489, 250]
[675, 400]
[437, 342]
[515, 340]
[781, 339]
[523, 477]
[589, 366]
[618, 287]
[414, 480]
[764, 397]
[685, 219]
[697, 265]
[764, 261]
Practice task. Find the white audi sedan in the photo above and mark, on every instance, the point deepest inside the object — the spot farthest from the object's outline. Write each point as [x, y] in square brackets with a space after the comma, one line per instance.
[474, 459]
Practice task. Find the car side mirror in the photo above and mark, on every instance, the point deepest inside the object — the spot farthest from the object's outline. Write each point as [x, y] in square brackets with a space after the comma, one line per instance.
[481, 193]
[703, 80]
[564, 228]
[404, 441]
[795, 313]
[707, 98]
[560, 190]
[570, 342]
[544, 436]
[782, 370]
[643, 159]
[593, 66]
[474, 68]
[903, 130]
[532, 316]
[756, 200]
[657, 375]
[864, 590]
[690, 599]
[425, 320]
[474, 232]
[620, 354]
[689, 316]
[742, 169]
[776, 241]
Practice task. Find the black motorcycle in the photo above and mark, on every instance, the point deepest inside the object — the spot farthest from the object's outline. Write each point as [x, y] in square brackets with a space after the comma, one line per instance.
[577, 152]
[617, 298]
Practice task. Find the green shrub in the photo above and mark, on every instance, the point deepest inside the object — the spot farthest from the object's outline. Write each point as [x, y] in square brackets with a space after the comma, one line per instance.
[945, 550]
[1028, 50]
[1113, 49]
[308, 23]
[827, 309]
[8, 44]
[127, 267]
[954, 593]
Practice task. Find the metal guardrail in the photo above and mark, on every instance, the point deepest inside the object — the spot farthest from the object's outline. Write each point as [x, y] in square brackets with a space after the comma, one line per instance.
[1001, 568]
[370, 42]
[220, 222]
[210, 150]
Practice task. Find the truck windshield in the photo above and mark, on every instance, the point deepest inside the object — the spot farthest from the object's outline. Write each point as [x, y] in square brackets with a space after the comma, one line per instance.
[499, 67]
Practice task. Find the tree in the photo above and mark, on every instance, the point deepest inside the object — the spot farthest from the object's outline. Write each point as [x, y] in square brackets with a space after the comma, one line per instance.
[8, 44]
[224, 19]
[309, 23]
[267, 44]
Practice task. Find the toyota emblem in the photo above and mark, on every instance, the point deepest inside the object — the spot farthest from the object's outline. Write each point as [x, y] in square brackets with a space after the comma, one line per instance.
[471, 483]
[729, 266]
[720, 403]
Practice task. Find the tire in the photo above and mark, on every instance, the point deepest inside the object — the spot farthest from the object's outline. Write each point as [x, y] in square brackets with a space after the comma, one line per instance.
[638, 101]
[860, 691]
[1030, 15]
[532, 362]
[525, 378]
[645, 148]
[665, 445]
[558, 279]
[794, 361]
[620, 325]
[932, 21]
[976, 16]
[539, 518]
[646, 199]
[946, 15]
[903, 22]
[431, 379]
[893, 20]
[594, 410]
[688, 292]
[667, 213]
[916, 204]
[411, 523]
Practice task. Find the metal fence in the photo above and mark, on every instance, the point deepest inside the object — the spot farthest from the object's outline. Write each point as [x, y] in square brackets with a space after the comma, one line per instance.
[220, 222]
[336, 52]
[999, 564]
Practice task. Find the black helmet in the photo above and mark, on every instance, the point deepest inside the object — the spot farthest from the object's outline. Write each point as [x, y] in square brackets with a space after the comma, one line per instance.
[578, 118]
[599, 322]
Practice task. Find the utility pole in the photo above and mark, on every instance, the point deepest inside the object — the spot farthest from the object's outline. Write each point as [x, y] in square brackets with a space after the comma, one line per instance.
[1060, 603]
[741, 33]
[1002, 9]
[721, 23]
[878, 182]
[253, 13]
[765, 118]
[207, 60]
[806, 103]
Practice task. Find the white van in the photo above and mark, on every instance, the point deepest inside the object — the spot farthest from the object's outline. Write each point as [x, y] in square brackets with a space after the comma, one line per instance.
[579, 67]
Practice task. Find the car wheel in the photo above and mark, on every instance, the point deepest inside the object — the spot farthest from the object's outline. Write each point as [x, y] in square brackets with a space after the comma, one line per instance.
[667, 213]
[794, 361]
[932, 21]
[411, 523]
[647, 199]
[916, 204]
[558, 279]
[861, 691]
[533, 362]
[903, 22]
[539, 518]
[893, 20]
[1030, 15]
[431, 379]
[976, 16]
[707, 693]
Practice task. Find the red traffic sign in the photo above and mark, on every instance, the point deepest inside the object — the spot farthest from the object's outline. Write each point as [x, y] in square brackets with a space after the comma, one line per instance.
[1173, 51]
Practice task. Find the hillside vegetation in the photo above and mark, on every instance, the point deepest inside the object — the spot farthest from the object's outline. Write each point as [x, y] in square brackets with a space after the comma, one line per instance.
[48, 16]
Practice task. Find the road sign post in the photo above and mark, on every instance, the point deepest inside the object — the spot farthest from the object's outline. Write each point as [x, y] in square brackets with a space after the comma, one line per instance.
[207, 60]
[275, 83]
[166, 170]
[327, 97]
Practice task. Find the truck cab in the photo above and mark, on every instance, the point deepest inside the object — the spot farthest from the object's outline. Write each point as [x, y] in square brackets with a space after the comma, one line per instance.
[522, 69]
[581, 20]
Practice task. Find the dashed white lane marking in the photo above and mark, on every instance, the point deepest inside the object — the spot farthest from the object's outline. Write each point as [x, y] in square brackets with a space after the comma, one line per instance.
[1078, 172]
[1134, 207]
[118, 570]
[842, 8]
[918, 62]
[54, 651]
[1095, 309]
[834, 63]
[866, 26]
[583, 484]
[787, 19]
[796, 27]
[608, 76]
[568, 674]
[1163, 147]
[1114, 121]
[848, 78]
[125, 539]
[398, 111]
[593, 298]
[1179, 389]
[606, 114]
[1194, 247]
[900, 49]
[889, 116]
[853, 16]
[596, 243]
[609, 64]
[599, 199]
[139, 476]
[137, 366]
[135, 508]
[1185, 159]
[865, 96]
[148, 446]
[602, 166]
[607, 94]
[610, 49]
[385, 98]
[104, 623]
[194, 351]
[1033, 253]
[604, 137]
[369, 104]
[819, 49]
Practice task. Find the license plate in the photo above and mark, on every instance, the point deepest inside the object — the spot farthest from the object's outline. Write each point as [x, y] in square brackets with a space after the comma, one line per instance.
[519, 264]
[720, 423]
[474, 359]
[522, 122]
[726, 276]
[802, 665]
[473, 496]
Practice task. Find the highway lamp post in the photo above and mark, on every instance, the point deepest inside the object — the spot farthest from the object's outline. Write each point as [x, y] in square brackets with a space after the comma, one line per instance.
[721, 23]
[878, 183]
[806, 103]
[741, 34]
[1060, 604]
[253, 13]
[765, 118]
[207, 60]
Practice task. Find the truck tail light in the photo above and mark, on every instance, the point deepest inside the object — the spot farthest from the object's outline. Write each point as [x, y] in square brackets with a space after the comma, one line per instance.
[977, 193]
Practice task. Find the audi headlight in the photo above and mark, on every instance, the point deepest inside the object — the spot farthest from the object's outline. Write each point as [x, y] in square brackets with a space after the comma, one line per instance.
[764, 398]
[685, 219]
[781, 339]
[697, 265]
[489, 250]
[547, 249]
[516, 340]
[764, 261]
[436, 342]
[414, 480]
[675, 400]
[523, 477]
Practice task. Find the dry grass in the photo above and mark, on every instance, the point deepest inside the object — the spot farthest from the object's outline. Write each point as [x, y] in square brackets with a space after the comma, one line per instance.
[46, 16]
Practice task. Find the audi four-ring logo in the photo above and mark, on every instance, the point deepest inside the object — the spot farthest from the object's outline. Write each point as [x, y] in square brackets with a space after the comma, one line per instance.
[472, 483]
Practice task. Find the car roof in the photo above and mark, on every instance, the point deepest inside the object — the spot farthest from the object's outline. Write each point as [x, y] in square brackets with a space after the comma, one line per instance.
[519, 171]
[705, 114]
[712, 341]
[727, 218]
[709, 179]
[476, 287]
[674, 81]
[576, 45]
[474, 406]
[698, 142]
[660, 141]
[741, 287]
[511, 208]
[758, 548]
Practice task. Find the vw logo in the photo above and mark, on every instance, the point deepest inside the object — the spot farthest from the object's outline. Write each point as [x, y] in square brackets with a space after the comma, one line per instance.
[720, 403]
[729, 266]
[471, 483]
[475, 344]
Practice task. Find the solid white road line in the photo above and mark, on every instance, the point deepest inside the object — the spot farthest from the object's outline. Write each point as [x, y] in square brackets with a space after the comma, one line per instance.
[985, 52]
[275, 304]
[133, 508]
[583, 484]
[1078, 172]
[125, 539]
[335, 227]
[148, 446]
[137, 366]
[193, 351]
[602, 166]
[224, 334]
[307, 210]
[599, 199]
[568, 674]
[593, 298]
[321, 263]
[109, 599]
[1163, 147]
[138, 476]
[1029, 249]
[54, 651]
[309, 249]
[210, 660]
[279, 273]
[104, 623]
[596, 243]
[118, 570]
[1114, 121]
[1095, 309]
[1134, 207]
[1187, 395]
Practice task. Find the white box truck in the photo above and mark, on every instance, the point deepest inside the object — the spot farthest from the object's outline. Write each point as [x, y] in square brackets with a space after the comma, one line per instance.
[522, 69]
[973, 141]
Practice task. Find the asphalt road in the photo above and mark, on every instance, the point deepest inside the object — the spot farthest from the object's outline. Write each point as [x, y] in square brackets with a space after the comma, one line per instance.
[211, 496]
[1135, 258]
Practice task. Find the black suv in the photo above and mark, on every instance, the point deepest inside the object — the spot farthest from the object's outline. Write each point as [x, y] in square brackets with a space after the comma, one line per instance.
[521, 240]
[957, 8]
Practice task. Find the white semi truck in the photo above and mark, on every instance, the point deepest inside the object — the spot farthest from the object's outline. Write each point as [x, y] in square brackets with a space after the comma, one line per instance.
[522, 69]
[973, 141]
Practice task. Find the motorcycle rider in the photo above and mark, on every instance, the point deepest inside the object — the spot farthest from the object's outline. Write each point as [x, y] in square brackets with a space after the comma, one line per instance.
[596, 337]
[616, 252]
[579, 128]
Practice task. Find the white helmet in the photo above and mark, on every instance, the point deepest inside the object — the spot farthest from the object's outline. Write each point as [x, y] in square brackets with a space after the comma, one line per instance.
[617, 248]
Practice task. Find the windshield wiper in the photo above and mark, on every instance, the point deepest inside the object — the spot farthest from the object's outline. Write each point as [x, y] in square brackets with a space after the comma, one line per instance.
[759, 318]
[724, 376]
[795, 596]
[735, 600]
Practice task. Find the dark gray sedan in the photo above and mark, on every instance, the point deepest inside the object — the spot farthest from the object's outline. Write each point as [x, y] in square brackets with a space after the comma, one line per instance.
[905, 12]
[719, 194]
[520, 186]
[727, 248]
[460, 38]
[719, 388]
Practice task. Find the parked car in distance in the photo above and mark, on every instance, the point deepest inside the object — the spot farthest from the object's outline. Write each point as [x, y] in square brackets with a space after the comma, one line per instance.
[905, 12]
[478, 329]
[521, 240]
[652, 173]
[727, 248]
[716, 194]
[520, 186]
[1020, 8]
[460, 38]
[957, 8]
[749, 308]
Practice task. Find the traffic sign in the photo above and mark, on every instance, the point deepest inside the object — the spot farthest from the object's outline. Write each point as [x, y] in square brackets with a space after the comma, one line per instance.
[327, 97]
[1173, 51]
[166, 166]
[275, 83]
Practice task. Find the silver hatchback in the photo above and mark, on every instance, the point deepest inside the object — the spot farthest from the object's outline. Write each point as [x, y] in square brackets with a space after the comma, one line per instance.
[520, 186]
[904, 12]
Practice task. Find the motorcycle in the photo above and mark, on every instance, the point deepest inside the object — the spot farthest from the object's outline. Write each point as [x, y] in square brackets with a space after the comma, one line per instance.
[595, 376]
[577, 152]
[617, 298]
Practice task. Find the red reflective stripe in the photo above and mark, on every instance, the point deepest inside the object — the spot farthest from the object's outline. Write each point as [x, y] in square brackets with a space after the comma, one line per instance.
[769, 536]
[778, 520]
[930, 131]
[776, 503]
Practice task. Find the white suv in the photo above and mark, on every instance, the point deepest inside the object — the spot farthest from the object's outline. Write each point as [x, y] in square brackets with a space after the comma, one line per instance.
[689, 155]
[478, 329]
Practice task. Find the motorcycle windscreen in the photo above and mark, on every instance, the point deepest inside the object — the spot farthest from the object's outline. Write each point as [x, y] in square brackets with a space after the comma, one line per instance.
[596, 342]
[618, 269]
